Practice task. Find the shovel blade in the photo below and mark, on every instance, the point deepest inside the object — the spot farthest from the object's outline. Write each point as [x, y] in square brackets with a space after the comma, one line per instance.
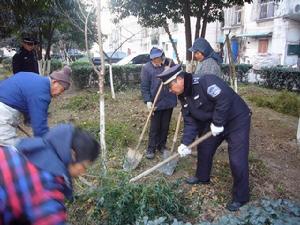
[132, 160]
[169, 168]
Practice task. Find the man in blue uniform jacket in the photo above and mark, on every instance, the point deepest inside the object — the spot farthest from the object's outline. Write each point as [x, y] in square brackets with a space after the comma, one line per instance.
[30, 94]
[208, 103]
[160, 120]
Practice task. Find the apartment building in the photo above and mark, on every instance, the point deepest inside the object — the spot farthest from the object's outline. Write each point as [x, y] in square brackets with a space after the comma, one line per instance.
[264, 31]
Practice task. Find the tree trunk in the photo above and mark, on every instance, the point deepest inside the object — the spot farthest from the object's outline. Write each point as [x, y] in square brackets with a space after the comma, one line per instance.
[101, 90]
[166, 27]
[187, 25]
[199, 17]
[205, 16]
[197, 28]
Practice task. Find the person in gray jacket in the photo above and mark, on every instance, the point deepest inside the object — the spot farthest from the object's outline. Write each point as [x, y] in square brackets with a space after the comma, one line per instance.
[160, 120]
[209, 60]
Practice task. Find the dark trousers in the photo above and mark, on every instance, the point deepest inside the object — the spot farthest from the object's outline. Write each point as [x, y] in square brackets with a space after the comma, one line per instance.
[238, 150]
[159, 128]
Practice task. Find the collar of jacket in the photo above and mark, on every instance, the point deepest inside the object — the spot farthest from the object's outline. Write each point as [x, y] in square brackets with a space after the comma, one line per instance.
[188, 83]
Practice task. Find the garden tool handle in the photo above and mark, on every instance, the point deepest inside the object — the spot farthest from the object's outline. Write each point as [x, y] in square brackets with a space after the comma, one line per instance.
[145, 173]
[176, 131]
[149, 116]
[23, 130]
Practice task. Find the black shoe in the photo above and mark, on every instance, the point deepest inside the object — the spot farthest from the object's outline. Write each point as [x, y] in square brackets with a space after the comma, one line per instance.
[196, 180]
[150, 154]
[234, 206]
[162, 150]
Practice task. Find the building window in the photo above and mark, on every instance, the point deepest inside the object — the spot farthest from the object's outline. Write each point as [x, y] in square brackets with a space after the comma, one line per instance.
[237, 15]
[263, 46]
[266, 9]
[293, 50]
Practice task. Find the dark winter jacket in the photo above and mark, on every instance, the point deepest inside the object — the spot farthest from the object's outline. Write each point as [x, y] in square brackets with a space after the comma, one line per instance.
[51, 153]
[150, 84]
[25, 61]
[209, 99]
[29, 93]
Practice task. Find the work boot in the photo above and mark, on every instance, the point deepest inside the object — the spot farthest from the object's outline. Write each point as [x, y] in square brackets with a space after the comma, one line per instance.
[150, 154]
[234, 206]
[162, 150]
[196, 180]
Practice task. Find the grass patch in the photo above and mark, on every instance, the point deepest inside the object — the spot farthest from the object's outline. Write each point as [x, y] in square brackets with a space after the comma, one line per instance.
[283, 102]
[82, 102]
[118, 135]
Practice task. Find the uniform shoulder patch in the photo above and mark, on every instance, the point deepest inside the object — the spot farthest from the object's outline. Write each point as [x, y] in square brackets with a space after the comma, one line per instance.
[196, 80]
[213, 90]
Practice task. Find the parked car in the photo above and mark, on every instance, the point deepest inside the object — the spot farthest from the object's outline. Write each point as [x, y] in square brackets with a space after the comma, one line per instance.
[140, 58]
[114, 57]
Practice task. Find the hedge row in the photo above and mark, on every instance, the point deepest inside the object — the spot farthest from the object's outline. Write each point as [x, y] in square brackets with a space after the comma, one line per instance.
[280, 78]
[83, 74]
[55, 64]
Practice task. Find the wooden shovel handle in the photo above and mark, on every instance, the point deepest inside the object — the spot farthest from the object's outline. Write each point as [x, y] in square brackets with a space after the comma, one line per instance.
[176, 131]
[145, 173]
[149, 116]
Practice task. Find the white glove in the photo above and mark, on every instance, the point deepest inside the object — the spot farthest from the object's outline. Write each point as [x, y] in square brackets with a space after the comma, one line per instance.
[216, 130]
[183, 150]
[149, 105]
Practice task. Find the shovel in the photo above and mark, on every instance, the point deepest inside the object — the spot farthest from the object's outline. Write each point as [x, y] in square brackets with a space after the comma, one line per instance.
[133, 156]
[170, 167]
[175, 156]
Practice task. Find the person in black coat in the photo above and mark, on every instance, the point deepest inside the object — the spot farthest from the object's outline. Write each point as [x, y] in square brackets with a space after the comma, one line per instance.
[25, 59]
[209, 104]
[160, 120]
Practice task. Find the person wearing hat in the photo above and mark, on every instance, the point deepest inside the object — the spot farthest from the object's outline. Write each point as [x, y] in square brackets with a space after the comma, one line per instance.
[25, 59]
[209, 104]
[160, 121]
[30, 94]
[36, 175]
[208, 60]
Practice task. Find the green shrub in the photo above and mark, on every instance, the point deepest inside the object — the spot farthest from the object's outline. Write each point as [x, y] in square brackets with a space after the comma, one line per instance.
[55, 65]
[241, 71]
[266, 212]
[284, 102]
[7, 64]
[281, 78]
[129, 75]
[119, 202]
[82, 73]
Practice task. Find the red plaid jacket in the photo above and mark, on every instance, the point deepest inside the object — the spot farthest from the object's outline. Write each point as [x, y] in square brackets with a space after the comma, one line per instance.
[27, 194]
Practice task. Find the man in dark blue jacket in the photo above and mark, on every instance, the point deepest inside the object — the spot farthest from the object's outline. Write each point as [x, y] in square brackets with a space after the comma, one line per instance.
[160, 120]
[25, 59]
[208, 103]
[37, 175]
[30, 94]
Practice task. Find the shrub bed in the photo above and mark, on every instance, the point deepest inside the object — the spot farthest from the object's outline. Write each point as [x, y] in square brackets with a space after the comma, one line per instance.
[241, 71]
[7, 64]
[126, 76]
[280, 78]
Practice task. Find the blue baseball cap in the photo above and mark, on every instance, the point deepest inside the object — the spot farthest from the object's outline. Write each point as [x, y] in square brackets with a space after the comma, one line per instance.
[155, 53]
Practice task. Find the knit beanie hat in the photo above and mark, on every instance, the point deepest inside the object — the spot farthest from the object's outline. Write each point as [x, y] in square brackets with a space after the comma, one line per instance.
[62, 76]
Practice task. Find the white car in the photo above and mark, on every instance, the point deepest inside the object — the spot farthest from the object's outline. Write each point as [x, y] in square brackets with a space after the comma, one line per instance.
[140, 58]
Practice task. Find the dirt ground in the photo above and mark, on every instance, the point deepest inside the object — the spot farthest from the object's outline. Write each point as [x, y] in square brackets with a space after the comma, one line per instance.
[274, 154]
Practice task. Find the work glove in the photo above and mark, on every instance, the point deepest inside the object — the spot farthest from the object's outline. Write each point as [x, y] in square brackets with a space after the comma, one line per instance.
[216, 130]
[149, 105]
[183, 150]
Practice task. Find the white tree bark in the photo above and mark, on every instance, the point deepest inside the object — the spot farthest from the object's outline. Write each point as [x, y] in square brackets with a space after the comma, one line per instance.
[101, 89]
[111, 80]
